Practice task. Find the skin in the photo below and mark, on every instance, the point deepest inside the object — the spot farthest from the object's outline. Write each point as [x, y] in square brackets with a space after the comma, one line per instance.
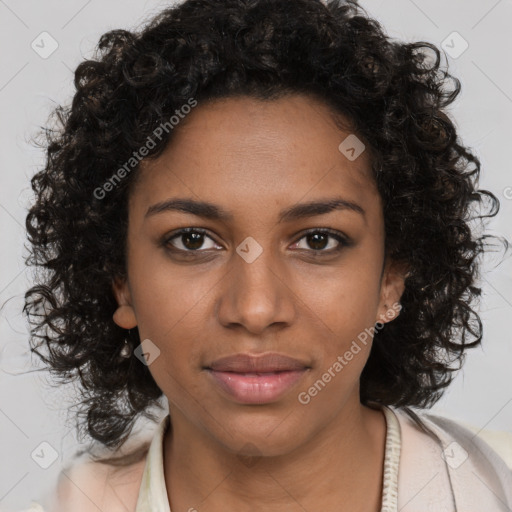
[255, 158]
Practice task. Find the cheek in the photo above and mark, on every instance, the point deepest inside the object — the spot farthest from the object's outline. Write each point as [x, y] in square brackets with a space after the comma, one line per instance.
[346, 310]
[344, 299]
[167, 298]
[173, 320]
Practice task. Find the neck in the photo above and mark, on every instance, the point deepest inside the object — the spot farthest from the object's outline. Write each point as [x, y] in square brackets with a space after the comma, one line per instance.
[340, 464]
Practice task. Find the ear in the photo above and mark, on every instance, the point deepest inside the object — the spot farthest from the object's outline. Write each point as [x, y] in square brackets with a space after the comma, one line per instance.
[391, 290]
[124, 316]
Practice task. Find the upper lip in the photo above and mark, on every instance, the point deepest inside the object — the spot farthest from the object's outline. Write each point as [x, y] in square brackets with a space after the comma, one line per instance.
[246, 363]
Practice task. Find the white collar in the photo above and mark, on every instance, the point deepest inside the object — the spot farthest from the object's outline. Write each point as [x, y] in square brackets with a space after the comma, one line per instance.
[153, 493]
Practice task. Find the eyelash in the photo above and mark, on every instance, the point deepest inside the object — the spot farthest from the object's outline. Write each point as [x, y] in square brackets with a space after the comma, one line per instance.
[343, 240]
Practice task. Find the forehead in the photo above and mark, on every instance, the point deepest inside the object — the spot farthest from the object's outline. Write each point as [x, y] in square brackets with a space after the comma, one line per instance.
[243, 152]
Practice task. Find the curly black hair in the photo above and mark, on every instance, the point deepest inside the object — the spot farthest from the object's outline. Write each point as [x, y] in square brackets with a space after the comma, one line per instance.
[393, 93]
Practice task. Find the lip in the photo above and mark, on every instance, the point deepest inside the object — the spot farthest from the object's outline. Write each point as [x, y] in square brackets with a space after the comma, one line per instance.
[251, 379]
[264, 363]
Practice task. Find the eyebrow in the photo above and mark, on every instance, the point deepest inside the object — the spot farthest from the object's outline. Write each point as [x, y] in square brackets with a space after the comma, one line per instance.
[211, 211]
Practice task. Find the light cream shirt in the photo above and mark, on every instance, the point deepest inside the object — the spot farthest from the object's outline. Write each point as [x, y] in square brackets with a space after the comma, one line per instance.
[457, 472]
[457, 475]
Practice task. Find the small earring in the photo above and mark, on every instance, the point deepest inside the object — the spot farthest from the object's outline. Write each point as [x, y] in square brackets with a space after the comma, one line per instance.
[126, 350]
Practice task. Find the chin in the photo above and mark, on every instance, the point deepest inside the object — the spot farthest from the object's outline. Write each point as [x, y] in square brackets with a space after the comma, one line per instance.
[261, 437]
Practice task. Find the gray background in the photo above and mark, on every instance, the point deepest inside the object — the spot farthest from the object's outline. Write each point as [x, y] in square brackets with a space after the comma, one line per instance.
[31, 412]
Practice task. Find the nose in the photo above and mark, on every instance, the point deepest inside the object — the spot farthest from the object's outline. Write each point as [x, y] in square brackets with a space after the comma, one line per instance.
[256, 294]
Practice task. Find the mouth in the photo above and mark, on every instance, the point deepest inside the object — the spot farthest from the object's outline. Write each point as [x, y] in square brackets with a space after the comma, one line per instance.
[253, 379]
[256, 388]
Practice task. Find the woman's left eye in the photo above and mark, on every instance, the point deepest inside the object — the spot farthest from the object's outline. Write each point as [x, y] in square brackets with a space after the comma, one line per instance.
[318, 240]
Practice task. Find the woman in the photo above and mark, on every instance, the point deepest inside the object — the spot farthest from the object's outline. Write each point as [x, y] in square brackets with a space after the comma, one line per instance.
[260, 211]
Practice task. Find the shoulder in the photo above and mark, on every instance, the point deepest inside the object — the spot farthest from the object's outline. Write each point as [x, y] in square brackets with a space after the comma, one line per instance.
[498, 441]
[488, 442]
[88, 486]
[456, 460]
[485, 442]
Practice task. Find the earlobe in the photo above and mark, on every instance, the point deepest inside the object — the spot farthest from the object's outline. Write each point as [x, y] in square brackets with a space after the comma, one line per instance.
[124, 316]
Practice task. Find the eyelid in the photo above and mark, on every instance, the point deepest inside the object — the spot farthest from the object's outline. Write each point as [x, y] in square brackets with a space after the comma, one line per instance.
[332, 232]
[343, 241]
[176, 234]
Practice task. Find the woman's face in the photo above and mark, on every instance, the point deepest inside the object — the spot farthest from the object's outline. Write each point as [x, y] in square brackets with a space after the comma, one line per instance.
[251, 280]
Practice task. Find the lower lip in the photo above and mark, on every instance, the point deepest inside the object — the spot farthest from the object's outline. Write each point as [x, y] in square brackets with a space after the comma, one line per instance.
[251, 388]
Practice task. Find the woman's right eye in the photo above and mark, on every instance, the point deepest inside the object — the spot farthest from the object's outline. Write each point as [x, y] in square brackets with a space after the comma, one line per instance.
[190, 240]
